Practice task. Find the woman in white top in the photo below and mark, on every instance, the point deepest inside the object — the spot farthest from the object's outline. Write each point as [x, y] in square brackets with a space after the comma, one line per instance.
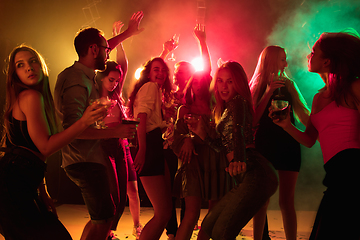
[335, 122]
[145, 103]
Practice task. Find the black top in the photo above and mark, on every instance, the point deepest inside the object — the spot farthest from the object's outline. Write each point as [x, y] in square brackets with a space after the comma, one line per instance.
[274, 143]
[19, 135]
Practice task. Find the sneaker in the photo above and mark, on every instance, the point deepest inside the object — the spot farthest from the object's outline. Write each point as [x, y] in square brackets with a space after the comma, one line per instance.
[137, 231]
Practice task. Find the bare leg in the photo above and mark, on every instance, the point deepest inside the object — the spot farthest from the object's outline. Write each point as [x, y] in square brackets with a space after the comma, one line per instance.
[259, 221]
[202, 235]
[287, 185]
[96, 231]
[134, 201]
[158, 190]
[191, 216]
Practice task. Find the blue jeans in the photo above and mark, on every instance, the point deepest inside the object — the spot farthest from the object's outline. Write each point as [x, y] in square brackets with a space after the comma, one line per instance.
[237, 207]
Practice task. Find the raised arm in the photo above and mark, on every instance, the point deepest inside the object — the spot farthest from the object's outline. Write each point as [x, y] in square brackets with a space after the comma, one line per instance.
[168, 46]
[199, 32]
[133, 29]
[121, 58]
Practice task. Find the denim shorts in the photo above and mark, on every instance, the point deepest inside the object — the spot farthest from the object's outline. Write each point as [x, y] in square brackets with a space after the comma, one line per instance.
[93, 182]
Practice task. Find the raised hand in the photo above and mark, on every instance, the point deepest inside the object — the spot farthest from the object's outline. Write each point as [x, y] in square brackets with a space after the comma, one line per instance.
[117, 28]
[133, 26]
[199, 32]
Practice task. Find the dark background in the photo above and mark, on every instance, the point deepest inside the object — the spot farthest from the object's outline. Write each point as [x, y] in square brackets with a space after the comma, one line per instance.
[236, 30]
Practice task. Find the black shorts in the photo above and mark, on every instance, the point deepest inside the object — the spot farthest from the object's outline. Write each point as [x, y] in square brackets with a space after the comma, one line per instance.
[93, 182]
[154, 157]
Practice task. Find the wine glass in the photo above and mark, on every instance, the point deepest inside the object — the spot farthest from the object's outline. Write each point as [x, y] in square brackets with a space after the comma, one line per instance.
[175, 42]
[109, 104]
[279, 109]
[131, 142]
[192, 120]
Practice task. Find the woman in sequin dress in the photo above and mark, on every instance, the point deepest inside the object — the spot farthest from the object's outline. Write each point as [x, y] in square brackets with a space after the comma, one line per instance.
[202, 174]
[256, 178]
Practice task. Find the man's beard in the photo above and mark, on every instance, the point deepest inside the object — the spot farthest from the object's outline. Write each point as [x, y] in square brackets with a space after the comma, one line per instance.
[100, 63]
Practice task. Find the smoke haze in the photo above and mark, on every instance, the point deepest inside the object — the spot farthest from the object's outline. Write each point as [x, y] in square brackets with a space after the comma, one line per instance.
[236, 30]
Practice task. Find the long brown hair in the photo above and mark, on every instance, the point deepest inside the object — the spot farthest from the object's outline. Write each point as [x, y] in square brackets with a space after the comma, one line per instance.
[110, 67]
[205, 81]
[241, 86]
[14, 87]
[144, 78]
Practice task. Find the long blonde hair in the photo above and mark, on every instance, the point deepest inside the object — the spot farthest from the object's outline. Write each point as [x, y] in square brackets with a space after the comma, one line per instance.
[268, 63]
[14, 87]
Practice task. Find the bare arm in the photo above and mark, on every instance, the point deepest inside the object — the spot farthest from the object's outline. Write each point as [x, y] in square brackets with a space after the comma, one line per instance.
[299, 105]
[199, 32]
[121, 58]
[133, 29]
[32, 105]
[307, 137]
[141, 133]
[261, 105]
[168, 46]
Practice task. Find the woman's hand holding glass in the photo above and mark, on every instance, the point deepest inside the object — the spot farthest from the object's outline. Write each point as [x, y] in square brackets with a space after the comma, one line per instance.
[108, 104]
[197, 127]
[284, 121]
[131, 121]
[94, 113]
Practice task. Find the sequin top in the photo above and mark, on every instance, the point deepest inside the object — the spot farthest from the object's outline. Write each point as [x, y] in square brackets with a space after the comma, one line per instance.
[235, 129]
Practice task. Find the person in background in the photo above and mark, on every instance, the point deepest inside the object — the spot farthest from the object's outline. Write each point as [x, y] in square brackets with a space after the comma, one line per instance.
[270, 82]
[256, 179]
[31, 134]
[145, 103]
[124, 178]
[335, 122]
[182, 73]
[84, 160]
[202, 174]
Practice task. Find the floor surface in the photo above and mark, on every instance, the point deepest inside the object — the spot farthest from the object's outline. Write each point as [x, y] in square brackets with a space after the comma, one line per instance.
[74, 218]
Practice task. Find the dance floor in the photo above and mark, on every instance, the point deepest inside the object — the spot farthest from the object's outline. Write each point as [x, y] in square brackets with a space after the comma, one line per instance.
[74, 218]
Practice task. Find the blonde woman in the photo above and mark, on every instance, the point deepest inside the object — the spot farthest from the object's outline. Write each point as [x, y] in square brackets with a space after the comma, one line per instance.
[268, 82]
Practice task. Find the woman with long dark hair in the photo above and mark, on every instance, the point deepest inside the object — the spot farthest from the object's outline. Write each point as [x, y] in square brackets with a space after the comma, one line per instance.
[335, 122]
[145, 103]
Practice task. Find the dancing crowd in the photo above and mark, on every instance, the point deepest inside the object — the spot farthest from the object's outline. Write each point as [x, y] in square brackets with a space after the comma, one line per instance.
[193, 137]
